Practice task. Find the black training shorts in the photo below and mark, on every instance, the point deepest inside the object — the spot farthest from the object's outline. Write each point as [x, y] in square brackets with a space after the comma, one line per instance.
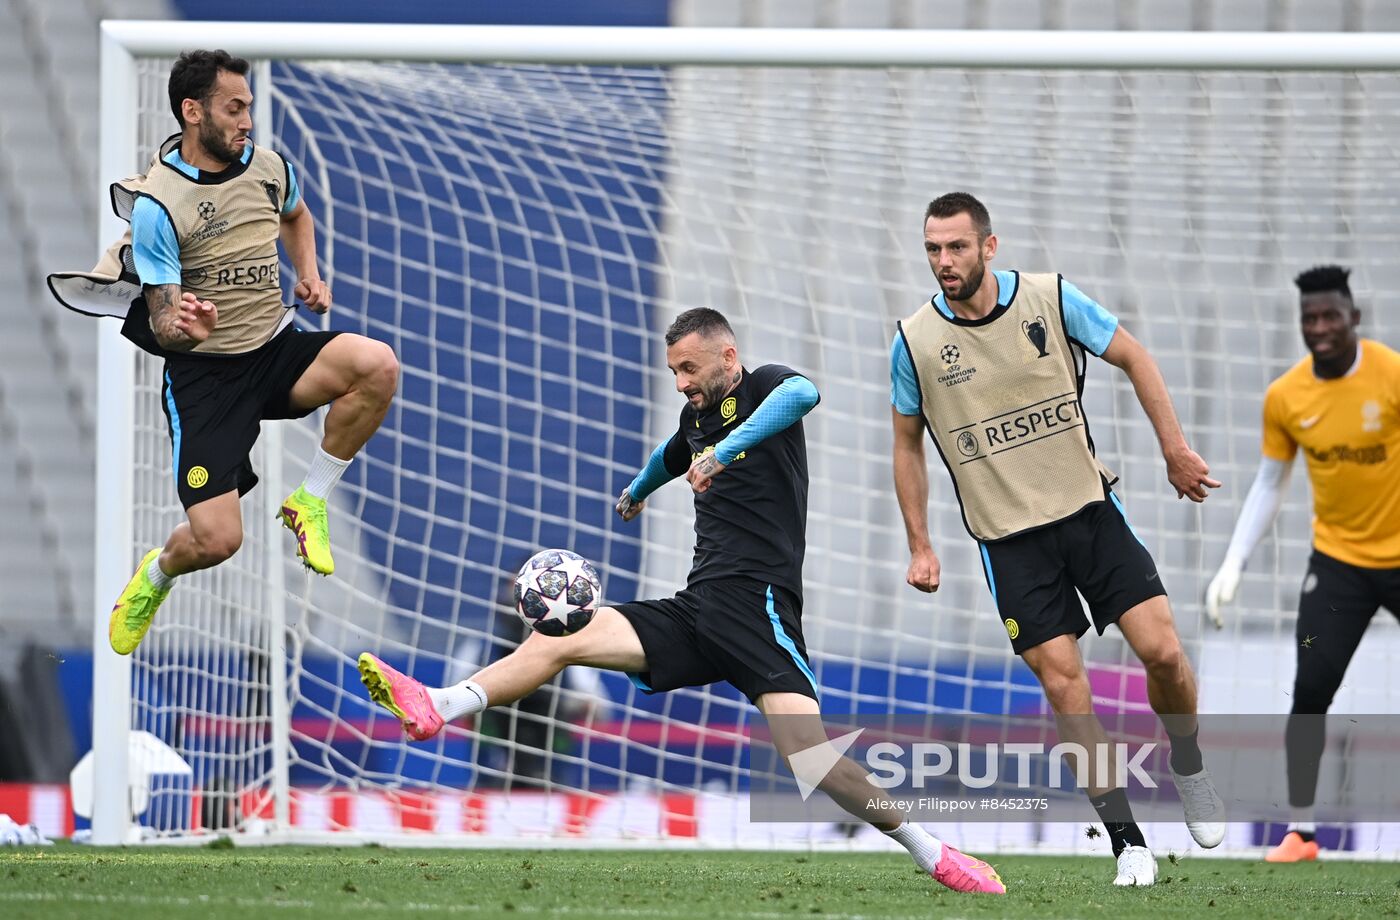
[1033, 576]
[214, 405]
[1335, 606]
[736, 629]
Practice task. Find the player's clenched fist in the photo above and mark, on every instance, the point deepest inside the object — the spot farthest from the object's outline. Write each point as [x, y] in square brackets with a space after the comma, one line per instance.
[314, 293]
[924, 571]
[196, 318]
[627, 507]
[702, 471]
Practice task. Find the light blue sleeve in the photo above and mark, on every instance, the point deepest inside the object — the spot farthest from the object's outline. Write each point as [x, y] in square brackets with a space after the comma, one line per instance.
[788, 402]
[904, 387]
[1087, 323]
[153, 243]
[653, 476]
[293, 188]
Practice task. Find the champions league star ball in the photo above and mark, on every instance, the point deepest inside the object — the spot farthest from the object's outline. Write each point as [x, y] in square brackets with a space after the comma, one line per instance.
[557, 592]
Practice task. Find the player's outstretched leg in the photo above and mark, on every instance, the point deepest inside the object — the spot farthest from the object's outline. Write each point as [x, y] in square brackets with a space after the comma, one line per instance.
[609, 641]
[795, 723]
[1171, 689]
[136, 607]
[405, 697]
[956, 870]
[357, 376]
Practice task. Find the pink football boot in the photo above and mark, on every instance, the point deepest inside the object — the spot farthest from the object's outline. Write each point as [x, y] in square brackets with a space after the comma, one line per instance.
[405, 697]
[961, 872]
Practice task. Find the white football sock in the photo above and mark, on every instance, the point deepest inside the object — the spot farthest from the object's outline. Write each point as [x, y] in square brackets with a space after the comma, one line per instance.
[926, 849]
[1303, 820]
[325, 472]
[458, 700]
[157, 575]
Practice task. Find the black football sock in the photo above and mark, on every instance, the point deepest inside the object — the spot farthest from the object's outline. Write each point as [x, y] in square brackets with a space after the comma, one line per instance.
[1186, 753]
[1117, 817]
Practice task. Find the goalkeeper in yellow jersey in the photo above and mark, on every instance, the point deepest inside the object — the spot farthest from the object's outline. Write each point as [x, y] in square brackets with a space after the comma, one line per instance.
[1341, 405]
[206, 219]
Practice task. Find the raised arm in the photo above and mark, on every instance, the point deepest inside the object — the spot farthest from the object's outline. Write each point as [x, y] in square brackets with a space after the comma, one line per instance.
[1188, 473]
[1256, 516]
[784, 405]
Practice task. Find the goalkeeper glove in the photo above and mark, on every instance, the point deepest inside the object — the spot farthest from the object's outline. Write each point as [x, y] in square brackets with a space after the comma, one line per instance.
[1222, 590]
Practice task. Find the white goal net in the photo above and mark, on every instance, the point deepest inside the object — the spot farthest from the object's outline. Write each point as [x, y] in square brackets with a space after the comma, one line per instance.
[522, 234]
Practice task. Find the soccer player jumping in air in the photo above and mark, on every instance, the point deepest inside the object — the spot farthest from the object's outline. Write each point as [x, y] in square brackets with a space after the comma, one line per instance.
[205, 222]
[741, 446]
[991, 366]
[1341, 404]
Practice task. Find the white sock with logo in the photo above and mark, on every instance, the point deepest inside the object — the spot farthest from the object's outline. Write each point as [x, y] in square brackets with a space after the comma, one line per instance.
[157, 575]
[325, 472]
[926, 849]
[458, 700]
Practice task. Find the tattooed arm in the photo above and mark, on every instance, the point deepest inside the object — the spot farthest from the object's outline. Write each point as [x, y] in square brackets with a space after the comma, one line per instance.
[180, 321]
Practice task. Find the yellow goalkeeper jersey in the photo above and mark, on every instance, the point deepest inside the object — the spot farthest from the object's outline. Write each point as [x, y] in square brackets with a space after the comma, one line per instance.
[1349, 430]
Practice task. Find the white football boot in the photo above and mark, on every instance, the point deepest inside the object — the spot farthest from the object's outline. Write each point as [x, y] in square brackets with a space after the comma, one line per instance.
[1136, 868]
[1205, 811]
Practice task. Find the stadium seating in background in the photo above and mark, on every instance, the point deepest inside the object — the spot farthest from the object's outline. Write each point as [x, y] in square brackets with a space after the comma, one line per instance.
[49, 200]
[31, 693]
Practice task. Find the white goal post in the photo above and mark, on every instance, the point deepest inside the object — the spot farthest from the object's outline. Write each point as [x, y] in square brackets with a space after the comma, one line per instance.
[778, 175]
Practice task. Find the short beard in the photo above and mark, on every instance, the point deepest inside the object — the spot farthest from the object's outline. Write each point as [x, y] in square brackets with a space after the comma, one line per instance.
[213, 143]
[973, 284]
[713, 391]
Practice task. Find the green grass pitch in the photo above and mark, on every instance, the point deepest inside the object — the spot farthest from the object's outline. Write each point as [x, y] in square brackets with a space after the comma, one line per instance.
[371, 883]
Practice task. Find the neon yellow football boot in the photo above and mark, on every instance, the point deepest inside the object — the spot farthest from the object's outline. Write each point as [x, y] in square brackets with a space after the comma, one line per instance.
[135, 609]
[305, 515]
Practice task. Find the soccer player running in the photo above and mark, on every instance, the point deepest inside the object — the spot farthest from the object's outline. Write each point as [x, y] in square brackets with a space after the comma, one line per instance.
[991, 366]
[205, 222]
[1341, 404]
[740, 444]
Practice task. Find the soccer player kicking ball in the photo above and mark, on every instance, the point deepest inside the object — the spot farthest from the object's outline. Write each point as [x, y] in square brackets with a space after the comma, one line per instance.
[1341, 404]
[205, 222]
[991, 367]
[741, 446]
